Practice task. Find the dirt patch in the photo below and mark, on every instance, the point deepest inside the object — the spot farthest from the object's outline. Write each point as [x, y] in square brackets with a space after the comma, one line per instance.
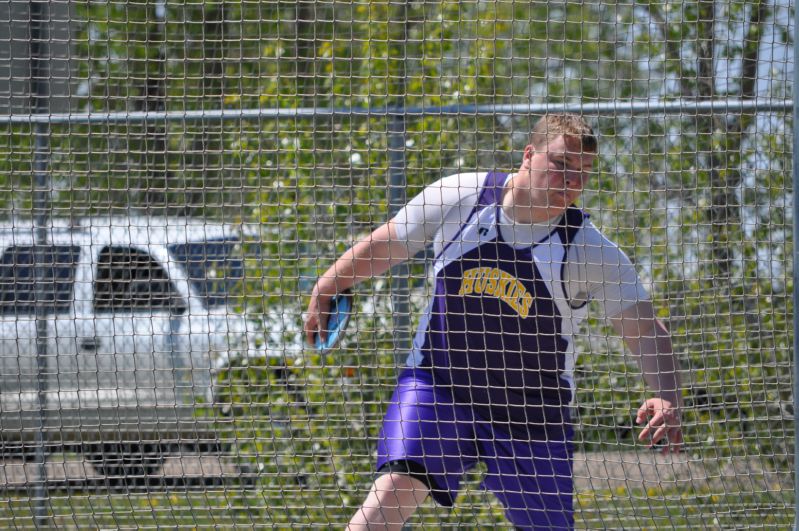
[611, 470]
[596, 471]
[76, 472]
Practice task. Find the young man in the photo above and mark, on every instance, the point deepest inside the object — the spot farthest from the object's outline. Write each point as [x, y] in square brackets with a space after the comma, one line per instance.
[490, 375]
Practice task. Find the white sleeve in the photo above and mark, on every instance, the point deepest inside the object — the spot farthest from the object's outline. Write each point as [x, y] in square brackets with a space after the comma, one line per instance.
[601, 271]
[420, 220]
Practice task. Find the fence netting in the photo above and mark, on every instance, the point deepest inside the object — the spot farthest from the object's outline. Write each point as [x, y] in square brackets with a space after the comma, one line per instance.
[176, 176]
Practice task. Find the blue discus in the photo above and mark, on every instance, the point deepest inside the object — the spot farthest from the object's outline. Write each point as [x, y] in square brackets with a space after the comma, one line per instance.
[340, 310]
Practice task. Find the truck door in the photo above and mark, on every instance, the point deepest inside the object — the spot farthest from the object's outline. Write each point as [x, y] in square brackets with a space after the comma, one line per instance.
[135, 306]
[22, 290]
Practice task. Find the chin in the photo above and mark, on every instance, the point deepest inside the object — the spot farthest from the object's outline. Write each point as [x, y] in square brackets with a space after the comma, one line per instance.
[559, 202]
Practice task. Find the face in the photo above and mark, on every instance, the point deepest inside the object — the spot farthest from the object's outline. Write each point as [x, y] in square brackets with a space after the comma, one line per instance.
[557, 173]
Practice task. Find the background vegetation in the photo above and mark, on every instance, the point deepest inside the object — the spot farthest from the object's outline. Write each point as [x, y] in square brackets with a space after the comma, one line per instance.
[701, 202]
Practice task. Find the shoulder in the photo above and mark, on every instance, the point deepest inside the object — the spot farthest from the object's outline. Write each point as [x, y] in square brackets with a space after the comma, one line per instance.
[591, 246]
[466, 184]
[600, 268]
[589, 234]
[459, 189]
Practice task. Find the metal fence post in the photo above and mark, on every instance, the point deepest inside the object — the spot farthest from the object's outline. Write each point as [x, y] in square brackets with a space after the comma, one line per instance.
[40, 93]
[795, 172]
[400, 294]
[400, 291]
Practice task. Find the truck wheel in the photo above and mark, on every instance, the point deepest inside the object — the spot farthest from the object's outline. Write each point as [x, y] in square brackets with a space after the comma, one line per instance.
[126, 463]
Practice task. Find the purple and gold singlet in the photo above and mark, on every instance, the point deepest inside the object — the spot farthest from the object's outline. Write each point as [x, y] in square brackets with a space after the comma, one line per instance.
[498, 331]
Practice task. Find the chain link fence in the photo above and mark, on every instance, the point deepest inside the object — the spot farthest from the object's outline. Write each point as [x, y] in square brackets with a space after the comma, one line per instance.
[175, 176]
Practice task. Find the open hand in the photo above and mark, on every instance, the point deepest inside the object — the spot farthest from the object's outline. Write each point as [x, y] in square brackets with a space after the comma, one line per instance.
[663, 419]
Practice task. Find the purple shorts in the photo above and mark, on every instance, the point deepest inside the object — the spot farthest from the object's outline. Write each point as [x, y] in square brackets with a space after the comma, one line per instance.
[427, 436]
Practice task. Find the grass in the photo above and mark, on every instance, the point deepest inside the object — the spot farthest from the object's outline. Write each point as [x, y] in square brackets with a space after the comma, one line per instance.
[303, 507]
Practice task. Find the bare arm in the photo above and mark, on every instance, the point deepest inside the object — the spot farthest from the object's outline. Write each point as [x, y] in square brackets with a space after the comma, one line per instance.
[370, 257]
[650, 342]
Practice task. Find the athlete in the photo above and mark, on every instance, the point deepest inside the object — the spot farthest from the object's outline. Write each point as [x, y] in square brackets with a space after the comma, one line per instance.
[490, 374]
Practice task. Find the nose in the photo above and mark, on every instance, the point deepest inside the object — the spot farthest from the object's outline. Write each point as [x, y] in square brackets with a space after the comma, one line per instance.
[574, 179]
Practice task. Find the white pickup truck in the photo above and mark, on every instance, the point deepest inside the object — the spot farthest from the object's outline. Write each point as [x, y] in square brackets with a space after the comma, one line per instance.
[125, 321]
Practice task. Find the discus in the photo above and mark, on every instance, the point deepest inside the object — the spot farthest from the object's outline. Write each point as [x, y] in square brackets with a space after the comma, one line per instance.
[340, 310]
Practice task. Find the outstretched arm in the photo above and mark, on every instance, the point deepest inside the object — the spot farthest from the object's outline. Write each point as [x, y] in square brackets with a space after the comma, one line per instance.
[650, 342]
[370, 257]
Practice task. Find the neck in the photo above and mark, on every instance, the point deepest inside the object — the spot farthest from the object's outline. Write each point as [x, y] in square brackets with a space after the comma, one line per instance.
[518, 207]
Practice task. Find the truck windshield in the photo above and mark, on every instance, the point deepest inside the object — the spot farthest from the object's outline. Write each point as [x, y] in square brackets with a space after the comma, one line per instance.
[215, 268]
[18, 278]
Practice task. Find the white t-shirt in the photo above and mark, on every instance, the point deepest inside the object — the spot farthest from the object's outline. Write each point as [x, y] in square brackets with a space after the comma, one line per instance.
[596, 268]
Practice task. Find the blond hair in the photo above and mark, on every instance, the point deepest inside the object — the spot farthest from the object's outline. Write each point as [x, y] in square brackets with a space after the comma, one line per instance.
[551, 126]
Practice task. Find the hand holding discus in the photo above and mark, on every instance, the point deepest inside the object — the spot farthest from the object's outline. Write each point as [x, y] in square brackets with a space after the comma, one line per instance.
[326, 327]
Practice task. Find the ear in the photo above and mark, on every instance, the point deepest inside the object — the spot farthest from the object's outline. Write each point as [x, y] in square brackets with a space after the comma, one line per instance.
[529, 151]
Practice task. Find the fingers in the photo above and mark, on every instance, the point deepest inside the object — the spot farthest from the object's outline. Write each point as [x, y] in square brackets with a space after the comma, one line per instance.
[675, 441]
[643, 413]
[311, 327]
[316, 318]
[652, 434]
[311, 321]
[664, 421]
[314, 324]
[653, 431]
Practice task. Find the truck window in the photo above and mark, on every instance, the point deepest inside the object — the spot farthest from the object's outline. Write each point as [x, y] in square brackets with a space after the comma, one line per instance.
[215, 268]
[18, 278]
[129, 280]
